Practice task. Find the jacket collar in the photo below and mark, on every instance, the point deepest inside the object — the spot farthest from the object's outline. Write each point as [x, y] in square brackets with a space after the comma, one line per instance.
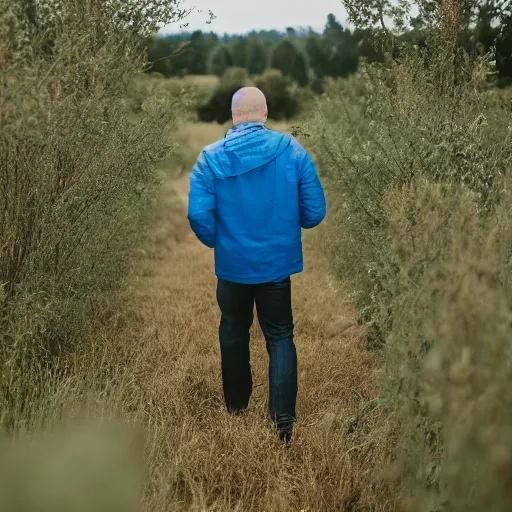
[245, 127]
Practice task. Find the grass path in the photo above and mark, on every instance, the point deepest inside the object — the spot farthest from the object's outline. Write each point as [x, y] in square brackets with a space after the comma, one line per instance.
[199, 457]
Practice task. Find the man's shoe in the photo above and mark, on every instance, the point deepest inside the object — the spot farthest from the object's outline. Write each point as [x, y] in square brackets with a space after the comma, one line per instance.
[285, 435]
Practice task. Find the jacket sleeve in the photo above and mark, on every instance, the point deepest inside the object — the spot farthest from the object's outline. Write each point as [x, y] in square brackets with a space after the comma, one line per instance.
[311, 195]
[201, 202]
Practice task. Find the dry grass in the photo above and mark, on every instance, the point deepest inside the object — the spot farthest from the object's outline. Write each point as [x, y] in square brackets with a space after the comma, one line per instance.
[200, 458]
[160, 369]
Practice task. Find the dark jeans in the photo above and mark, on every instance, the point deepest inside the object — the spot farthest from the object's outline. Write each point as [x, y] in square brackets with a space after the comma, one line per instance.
[274, 308]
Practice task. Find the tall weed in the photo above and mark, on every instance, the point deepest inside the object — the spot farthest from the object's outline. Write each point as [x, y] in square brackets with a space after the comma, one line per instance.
[416, 155]
[77, 173]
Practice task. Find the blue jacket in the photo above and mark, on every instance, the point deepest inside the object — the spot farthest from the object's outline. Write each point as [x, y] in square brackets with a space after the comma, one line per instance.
[250, 195]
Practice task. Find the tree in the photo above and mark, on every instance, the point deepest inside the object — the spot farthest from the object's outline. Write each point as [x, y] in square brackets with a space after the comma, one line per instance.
[341, 50]
[197, 53]
[332, 25]
[258, 59]
[221, 59]
[317, 54]
[142, 18]
[335, 53]
[291, 32]
[504, 50]
[370, 51]
[241, 52]
[378, 14]
[158, 53]
[287, 59]
[485, 32]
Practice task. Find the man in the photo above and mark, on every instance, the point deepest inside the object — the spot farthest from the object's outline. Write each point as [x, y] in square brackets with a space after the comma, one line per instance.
[250, 195]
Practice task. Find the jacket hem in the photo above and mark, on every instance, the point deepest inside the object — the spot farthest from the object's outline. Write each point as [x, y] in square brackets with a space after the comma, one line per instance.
[257, 279]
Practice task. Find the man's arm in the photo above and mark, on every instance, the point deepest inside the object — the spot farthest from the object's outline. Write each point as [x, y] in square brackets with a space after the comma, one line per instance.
[311, 195]
[201, 202]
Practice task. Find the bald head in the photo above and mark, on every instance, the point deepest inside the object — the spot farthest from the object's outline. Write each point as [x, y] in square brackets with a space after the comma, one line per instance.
[249, 106]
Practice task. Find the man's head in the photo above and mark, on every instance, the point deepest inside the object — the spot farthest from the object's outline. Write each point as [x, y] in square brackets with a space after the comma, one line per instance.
[249, 106]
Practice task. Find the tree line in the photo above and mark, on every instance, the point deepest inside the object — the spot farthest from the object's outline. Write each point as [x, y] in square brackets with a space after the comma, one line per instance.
[299, 54]
[306, 56]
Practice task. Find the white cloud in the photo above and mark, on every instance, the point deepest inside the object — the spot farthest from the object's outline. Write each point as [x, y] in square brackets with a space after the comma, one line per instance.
[242, 16]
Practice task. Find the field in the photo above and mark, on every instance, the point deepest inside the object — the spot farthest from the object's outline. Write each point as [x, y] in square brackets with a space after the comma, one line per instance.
[197, 457]
[218, 462]
[110, 389]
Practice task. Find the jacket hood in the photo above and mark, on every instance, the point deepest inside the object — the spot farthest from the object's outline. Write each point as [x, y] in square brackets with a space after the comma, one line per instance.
[245, 147]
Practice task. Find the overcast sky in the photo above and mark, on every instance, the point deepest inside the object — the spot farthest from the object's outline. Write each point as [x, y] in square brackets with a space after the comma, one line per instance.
[241, 16]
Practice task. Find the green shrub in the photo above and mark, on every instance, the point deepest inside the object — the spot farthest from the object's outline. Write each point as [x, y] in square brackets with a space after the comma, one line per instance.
[390, 126]
[77, 173]
[282, 97]
[416, 156]
[448, 352]
[218, 107]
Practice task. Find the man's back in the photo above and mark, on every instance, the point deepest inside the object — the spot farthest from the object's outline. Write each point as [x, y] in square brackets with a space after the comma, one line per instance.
[250, 195]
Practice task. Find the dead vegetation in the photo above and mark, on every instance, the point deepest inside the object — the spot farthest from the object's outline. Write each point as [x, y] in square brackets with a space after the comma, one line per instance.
[157, 370]
[199, 458]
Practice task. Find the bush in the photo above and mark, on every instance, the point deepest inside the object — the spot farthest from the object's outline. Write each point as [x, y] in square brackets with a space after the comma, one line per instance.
[416, 157]
[395, 124]
[449, 347]
[282, 98]
[77, 175]
[218, 107]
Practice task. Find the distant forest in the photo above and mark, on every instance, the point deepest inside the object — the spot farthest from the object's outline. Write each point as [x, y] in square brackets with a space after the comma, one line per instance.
[305, 55]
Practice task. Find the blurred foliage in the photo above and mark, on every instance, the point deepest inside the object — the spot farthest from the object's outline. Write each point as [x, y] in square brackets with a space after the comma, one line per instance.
[218, 106]
[79, 468]
[291, 52]
[284, 101]
[257, 58]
